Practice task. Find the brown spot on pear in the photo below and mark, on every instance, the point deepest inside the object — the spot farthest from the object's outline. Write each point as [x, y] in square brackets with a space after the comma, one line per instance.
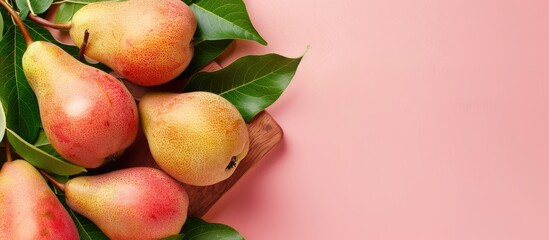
[146, 41]
[198, 138]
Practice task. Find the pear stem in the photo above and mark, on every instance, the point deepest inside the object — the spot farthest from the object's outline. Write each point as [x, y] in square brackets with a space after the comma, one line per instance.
[83, 46]
[55, 182]
[46, 23]
[26, 35]
[8, 151]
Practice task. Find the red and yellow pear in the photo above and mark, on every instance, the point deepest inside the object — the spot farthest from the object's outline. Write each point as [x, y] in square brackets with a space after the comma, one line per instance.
[88, 115]
[133, 203]
[28, 208]
[148, 42]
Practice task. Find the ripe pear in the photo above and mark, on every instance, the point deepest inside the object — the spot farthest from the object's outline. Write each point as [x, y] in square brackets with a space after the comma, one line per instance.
[132, 203]
[28, 208]
[198, 138]
[88, 115]
[149, 42]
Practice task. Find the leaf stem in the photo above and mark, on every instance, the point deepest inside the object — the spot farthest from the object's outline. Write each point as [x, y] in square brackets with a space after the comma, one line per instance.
[26, 35]
[55, 182]
[8, 151]
[46, 23]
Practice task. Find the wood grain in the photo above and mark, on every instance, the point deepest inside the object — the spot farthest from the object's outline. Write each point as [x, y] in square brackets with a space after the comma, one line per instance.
[265, 135]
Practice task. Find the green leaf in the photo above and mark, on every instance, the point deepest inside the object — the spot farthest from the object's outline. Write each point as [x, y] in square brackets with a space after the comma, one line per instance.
[205, 52]
[2, 122]
[17, 97]
[62, 179]
[42, 139]
[41, 159]
[198, 229]
[87, 230]
[43, 143]
[226, 19]
[6, 17]
[38, 6]
[251, 83]
[66, 11]
[23, 8]
[175, 237]
[1, 26]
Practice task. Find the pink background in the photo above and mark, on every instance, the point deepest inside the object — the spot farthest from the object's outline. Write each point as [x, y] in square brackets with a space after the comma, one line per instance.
[423, 119]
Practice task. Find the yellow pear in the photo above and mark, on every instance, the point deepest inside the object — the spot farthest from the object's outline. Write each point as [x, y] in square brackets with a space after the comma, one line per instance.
[149, 42]
[198, 138]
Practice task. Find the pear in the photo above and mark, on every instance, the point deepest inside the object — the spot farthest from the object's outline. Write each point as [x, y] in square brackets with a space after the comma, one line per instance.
[148, 42]
[198, 138]
[88, 115]
[28, 208]
[133, 203]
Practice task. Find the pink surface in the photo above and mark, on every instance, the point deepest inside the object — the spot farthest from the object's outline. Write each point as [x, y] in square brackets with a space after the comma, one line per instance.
[423, 119]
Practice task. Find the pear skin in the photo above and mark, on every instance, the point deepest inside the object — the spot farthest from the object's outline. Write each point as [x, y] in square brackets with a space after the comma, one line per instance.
[88, 115]
[133, 203]
[28, 208]
[198, 138]
[149, 42]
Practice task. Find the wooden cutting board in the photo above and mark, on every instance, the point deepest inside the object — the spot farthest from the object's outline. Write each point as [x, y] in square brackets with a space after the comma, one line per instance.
[265, 135]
